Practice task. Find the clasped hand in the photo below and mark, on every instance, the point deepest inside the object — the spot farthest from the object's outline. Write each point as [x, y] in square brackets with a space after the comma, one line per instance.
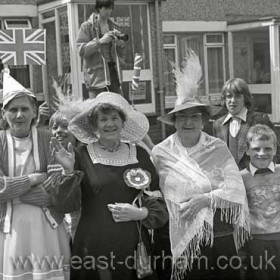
[125, 212]
[191, 206]
[63, 156]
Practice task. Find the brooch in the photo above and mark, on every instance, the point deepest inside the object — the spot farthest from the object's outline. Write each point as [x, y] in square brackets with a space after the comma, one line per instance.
[137, 178]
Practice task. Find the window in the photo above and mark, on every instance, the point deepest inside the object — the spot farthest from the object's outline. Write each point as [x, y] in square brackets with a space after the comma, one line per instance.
[170, 58]
[214, 63]
[132, 19]
[211, 52]
[251, 55]
[17, 23]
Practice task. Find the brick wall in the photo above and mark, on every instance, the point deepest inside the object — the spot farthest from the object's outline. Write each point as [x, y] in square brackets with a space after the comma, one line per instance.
[217, 10]
[21, 2]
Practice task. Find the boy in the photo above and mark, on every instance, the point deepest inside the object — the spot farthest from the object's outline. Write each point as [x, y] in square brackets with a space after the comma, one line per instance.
[262, 183]
[233, 127]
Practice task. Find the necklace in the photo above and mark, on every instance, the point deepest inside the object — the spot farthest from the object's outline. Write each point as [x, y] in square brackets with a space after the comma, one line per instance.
[109, 149]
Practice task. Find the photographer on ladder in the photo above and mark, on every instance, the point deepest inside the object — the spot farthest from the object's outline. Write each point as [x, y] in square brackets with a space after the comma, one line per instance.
[101, 46]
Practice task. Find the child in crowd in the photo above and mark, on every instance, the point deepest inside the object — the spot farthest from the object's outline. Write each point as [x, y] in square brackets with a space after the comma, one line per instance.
[262, 182]
[59, 129]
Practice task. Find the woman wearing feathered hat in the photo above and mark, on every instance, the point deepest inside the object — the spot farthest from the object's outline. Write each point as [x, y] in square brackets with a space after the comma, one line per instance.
[31, 229]
[117, 172]
[204, 192]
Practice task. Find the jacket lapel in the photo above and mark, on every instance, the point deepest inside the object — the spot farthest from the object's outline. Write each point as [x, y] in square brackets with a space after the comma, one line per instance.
[242, 139]
[224, 130]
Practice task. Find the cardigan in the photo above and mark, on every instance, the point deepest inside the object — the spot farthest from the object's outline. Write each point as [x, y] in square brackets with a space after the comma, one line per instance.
[14, 187]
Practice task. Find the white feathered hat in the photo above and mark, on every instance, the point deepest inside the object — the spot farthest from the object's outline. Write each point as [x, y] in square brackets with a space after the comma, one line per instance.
[187, 83]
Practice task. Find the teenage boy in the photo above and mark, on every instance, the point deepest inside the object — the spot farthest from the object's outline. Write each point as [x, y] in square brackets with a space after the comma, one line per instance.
[262, 183]
[232, 128]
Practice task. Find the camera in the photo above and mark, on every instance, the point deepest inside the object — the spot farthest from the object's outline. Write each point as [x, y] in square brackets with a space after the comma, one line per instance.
[121, 36]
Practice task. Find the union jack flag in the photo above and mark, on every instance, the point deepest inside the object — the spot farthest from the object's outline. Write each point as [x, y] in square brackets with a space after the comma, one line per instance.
[23, 46]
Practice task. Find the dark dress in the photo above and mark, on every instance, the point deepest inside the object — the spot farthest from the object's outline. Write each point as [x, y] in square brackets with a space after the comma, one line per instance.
[100, 243]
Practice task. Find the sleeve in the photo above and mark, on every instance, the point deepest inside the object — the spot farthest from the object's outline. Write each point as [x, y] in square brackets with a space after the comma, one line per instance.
[157, 211]
[11, 187]
[85, 43]
[121, 51]
[37, 196]
[153, 199]
[66, 194]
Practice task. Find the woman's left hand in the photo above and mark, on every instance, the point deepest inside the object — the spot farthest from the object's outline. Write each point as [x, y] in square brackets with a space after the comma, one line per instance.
[65, 157]
[125, 212]
[191, 207]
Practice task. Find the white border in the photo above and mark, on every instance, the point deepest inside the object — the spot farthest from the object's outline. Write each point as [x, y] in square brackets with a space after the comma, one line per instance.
[194, 26]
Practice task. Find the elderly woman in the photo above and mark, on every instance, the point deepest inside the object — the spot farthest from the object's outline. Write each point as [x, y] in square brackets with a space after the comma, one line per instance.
[34, 243]
[202, 187]
[117, 173]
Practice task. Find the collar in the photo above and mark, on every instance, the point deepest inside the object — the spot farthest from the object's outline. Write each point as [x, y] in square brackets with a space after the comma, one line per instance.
[242, 115]
[253, 169]
[93, 19]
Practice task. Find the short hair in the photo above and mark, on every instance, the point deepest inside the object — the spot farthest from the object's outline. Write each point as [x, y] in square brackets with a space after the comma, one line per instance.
[261, 132]
[105, 108]
[34, 105]
[58, 117]
[99, 4]
[238, 86]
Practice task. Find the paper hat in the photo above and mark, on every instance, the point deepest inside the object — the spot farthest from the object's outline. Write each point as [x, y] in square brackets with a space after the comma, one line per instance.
[13, 89]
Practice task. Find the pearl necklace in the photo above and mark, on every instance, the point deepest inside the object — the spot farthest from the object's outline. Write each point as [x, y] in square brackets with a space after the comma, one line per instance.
[109, 149]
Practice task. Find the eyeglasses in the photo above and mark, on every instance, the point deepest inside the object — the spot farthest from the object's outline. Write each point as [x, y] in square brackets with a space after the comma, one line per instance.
[193, 117]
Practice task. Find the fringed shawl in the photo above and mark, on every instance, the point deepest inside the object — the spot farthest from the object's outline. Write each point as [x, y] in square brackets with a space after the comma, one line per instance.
[206, 168]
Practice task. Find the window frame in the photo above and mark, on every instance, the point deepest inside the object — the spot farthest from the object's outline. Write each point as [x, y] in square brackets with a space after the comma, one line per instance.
[206, 47]
[215, 97]
[7, 27]
[170, 100]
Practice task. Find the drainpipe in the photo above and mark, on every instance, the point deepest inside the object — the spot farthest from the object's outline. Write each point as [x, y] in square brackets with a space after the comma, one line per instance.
[160, 76]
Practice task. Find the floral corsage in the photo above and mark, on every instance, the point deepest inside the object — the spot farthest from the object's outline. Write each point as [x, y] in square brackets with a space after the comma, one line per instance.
[137, 178]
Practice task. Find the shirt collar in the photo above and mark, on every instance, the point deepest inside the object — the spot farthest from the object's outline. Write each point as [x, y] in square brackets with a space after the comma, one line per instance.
[253, 169]
[242, 115]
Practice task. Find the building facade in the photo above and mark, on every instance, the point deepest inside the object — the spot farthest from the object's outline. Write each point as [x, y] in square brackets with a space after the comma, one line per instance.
[233, 38]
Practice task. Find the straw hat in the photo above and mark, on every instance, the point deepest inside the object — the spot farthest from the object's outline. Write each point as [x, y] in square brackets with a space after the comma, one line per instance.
[187, 83]
[135, 128]
[13, 89]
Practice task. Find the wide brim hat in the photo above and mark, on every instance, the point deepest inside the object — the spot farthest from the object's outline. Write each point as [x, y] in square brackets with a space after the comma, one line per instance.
[135, 128]
[13, 89]
[170, 117]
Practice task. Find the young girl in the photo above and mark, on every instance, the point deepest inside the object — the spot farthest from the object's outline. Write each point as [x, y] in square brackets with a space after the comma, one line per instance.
[59, 129]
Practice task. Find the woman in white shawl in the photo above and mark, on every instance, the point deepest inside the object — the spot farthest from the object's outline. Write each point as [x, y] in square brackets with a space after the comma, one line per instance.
[202, 186]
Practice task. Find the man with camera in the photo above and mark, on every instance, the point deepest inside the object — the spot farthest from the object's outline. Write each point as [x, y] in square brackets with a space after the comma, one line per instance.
[101, 46]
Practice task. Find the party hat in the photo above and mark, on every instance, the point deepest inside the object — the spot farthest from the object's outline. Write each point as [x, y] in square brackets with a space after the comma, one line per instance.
[13, 89]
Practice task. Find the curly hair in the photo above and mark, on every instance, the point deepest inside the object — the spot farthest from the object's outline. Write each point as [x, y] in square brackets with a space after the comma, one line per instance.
[105, 108]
